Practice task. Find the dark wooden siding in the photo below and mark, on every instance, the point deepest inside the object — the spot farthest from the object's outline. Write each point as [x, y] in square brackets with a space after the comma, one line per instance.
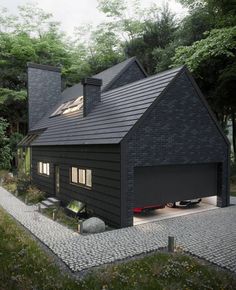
[104, 160]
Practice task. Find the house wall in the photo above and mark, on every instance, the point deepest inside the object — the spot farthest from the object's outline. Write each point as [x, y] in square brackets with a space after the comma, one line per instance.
[178, 130]
[132, 74]
[104, 160]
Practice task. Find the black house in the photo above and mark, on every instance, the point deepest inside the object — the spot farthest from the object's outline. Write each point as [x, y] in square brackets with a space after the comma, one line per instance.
[121, 140]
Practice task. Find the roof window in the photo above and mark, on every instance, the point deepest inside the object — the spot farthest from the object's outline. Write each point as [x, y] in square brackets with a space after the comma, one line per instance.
[69, 107]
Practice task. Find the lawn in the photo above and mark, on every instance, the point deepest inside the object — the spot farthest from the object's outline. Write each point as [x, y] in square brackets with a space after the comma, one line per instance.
[23, 266]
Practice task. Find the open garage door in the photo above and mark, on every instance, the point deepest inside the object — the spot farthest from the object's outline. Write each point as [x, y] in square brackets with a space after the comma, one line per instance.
[169, 183]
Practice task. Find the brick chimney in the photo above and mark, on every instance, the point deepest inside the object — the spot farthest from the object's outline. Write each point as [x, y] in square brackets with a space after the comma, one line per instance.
[91, 93]
[44, 90]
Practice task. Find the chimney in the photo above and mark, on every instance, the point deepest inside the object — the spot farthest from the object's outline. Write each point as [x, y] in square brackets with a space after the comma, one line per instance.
[44, 90]
[92, 93]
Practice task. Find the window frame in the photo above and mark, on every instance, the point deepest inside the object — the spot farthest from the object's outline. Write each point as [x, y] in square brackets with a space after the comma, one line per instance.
[41, 165]
[84, 185]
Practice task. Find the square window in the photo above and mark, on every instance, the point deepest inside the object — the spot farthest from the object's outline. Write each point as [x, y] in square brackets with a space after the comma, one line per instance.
[82, 176]
[89, 177]
[74, 174]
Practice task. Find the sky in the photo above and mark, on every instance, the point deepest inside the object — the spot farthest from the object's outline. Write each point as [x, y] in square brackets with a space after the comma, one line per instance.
[73, 13]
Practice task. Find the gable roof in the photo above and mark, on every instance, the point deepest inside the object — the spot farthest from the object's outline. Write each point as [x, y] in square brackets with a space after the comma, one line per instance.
[108, 76]
[112, 118]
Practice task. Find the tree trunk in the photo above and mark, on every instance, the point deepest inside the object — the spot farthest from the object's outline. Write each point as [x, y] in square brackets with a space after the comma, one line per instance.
[233, 134]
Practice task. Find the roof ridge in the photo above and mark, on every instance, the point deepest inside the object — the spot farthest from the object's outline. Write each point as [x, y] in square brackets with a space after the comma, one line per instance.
[166, 72]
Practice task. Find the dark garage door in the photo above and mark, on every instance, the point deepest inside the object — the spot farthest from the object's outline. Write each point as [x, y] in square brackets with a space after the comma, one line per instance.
[169, 183]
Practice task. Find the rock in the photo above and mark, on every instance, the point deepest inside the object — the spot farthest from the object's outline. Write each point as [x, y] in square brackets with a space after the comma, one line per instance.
[93, 225]
[10, 175]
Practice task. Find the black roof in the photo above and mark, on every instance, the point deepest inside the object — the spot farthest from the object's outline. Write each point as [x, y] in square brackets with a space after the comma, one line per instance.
[108, 77]
[111, 119]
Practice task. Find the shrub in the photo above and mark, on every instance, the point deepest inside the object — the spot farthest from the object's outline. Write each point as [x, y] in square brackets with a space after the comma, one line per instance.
[9, 182]
[34, 195]
[23, 184]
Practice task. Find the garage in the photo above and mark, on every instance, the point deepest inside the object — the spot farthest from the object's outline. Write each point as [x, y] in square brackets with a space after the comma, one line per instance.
[170, 183]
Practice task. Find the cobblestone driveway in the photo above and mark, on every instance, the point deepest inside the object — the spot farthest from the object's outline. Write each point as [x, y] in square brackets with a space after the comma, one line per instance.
[210, 235]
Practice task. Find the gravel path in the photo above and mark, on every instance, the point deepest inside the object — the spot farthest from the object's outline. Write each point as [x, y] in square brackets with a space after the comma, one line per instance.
[210, 235]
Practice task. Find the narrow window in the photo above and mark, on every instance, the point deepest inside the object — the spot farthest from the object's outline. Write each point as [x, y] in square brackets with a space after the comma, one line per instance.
[40, 167]
[47, 169]
[74, 175]
[82, 176]
[89, 177]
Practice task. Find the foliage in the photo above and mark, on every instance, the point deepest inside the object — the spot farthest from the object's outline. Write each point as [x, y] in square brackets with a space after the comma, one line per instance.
[5, 150]
[34, 195]
[62, 217]
[218, 43]
[14, 139]
[23, 184]
[156, 40]
[23, 188]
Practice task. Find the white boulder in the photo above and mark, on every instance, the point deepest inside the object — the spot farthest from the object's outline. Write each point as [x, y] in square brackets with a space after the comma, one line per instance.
[93, 225]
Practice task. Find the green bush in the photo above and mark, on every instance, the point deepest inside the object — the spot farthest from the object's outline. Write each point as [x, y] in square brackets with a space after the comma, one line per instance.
[34, 195]
[23, 184]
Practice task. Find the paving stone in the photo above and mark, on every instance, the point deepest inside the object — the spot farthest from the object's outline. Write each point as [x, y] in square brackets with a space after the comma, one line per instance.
[210, 235]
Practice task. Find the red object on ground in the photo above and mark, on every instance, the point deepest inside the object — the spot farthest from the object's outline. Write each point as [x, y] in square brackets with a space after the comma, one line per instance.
[146, 208]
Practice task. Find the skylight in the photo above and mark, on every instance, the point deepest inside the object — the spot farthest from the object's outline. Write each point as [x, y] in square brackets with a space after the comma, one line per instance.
[69, 107]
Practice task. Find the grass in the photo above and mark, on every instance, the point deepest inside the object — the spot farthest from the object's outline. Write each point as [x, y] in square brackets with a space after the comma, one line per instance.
[24, 266]
[62, 217]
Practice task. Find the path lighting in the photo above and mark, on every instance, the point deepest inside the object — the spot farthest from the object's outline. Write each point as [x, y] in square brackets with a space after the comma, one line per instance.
[26, 199]
[171, 244]
[80, 227]
[39, 207]
[54, 214]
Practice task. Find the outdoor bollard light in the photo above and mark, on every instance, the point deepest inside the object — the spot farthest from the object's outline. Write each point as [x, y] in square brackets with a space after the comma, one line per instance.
[39, 207]
[54, 214]
[80, 227]
[26, 200]
[16, 193]
[171, 244]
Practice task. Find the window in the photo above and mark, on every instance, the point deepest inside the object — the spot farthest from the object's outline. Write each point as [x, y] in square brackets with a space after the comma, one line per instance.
[43, 168]
[74, 175]
[81, 176]
[69, 107]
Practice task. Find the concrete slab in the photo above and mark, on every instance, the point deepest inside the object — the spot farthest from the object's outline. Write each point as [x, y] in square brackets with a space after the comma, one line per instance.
[166, 213]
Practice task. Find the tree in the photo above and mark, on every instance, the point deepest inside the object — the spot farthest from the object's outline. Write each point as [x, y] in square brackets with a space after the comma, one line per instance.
[5, 152]
[13, 107]
[213, 62]
[157, 40]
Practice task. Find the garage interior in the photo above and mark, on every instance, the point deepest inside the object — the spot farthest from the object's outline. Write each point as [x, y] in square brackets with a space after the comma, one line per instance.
[159, 185]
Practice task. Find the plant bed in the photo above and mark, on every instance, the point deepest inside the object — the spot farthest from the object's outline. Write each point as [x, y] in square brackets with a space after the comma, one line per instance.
[24, 190]
[66, 218]
[61, 217]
